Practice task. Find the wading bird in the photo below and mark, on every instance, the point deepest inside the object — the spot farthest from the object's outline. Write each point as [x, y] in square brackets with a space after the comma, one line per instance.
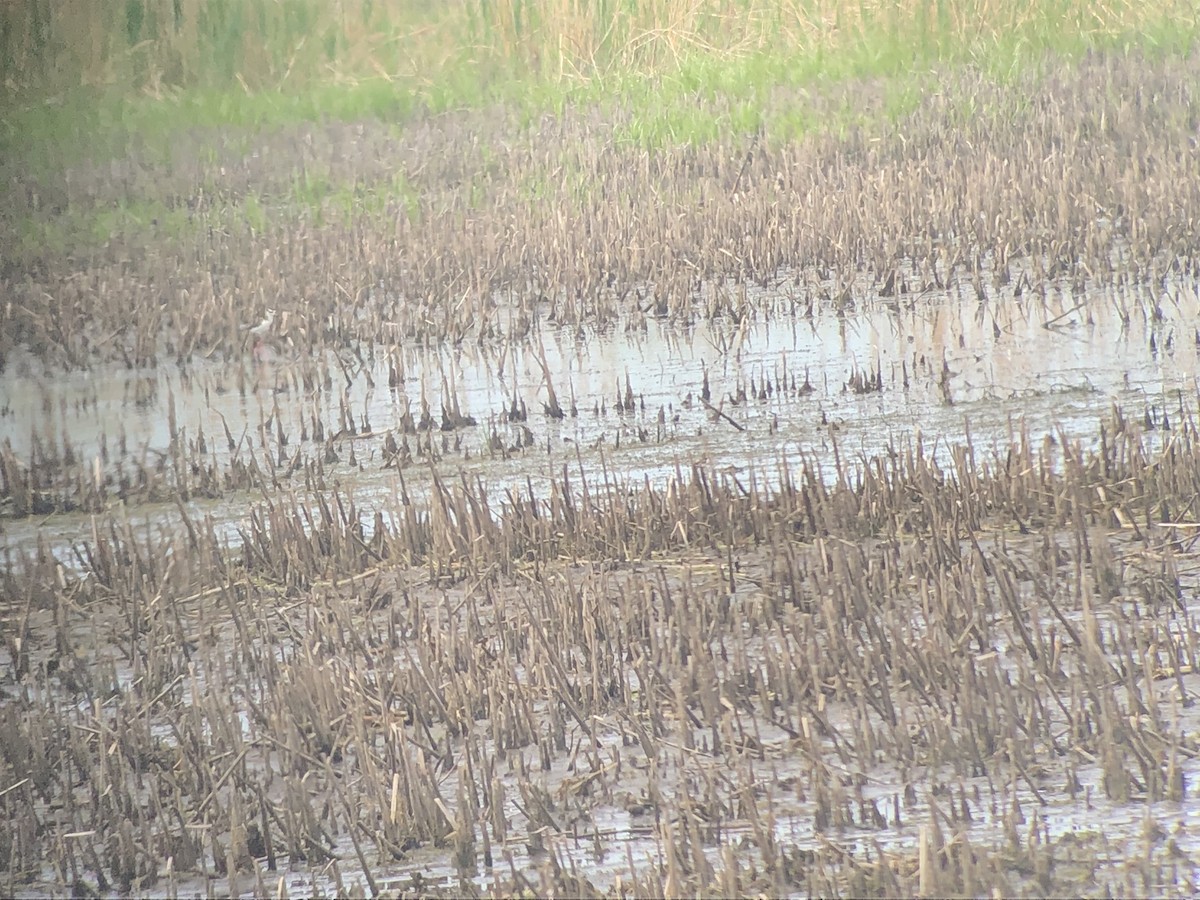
[265, 326]
[262, 349]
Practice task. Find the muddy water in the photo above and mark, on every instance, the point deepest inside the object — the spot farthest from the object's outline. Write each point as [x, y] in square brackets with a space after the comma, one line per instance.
[798, 382]
[617, 841]
[1098, 841]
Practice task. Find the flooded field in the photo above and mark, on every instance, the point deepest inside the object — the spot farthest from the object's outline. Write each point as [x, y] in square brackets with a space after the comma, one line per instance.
[827, 527]
[795, 383]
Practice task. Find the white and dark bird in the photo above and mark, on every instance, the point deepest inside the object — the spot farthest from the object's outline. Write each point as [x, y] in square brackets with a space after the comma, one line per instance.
[263, 337]
[264, 327]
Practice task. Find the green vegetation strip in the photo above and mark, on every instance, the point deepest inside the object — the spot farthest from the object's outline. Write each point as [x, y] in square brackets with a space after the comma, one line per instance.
[87, 83]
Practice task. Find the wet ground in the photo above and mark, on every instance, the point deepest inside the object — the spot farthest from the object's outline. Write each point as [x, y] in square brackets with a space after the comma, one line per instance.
[876, 576]
[801, 382]
[821, 385]
[609, 806]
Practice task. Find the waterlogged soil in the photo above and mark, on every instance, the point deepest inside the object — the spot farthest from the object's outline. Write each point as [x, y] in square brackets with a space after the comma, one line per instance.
[752, 782]
[830, 384]
[845, 387]
[830, 570]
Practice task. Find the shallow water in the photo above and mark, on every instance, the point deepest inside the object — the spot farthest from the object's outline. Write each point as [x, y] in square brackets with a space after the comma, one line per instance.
[949, 366]
[1117, 843]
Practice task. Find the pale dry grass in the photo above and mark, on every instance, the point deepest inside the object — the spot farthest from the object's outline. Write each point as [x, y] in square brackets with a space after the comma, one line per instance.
[266, 43]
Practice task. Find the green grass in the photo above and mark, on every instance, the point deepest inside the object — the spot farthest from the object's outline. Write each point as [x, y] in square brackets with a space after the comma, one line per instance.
[81, 231]
[86, 124]
[670, 73]
[888, 43]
